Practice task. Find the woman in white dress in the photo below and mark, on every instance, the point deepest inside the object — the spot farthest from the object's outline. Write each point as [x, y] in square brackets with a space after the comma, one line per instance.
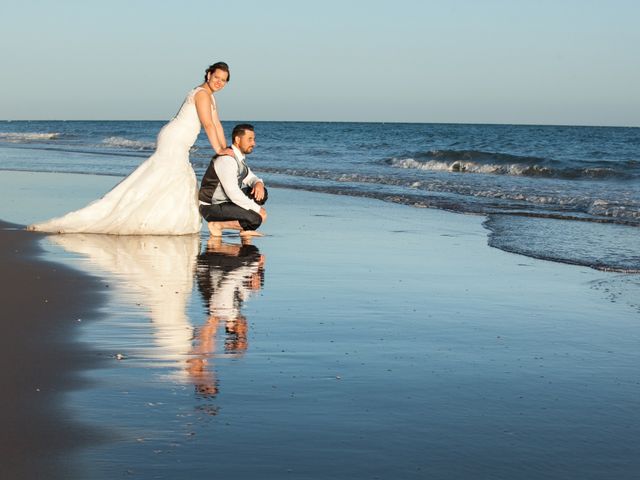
[160, 196]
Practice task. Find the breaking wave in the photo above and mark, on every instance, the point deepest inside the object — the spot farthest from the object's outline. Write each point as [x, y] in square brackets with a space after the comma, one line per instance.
[478, 162]
[122, 142]
[26, 137]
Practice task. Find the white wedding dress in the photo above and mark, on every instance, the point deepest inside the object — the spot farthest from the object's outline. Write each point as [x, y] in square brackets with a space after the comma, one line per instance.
[160, 197]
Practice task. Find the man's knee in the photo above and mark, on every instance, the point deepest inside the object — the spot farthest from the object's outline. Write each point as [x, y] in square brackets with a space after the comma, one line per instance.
[207, 213]
[252, 221]
[225, 212]
[248, 193]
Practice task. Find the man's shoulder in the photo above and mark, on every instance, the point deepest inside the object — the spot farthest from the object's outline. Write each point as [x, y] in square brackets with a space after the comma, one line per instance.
[225, 161]
[223, 158]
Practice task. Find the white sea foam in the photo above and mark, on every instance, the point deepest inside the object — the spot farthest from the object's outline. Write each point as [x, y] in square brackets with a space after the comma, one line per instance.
[467, 166]
[615, 209]
[122, 142]
[17, 137]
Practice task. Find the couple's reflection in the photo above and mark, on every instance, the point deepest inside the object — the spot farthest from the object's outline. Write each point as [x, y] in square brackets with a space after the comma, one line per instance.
[157, 273]
[227, 274]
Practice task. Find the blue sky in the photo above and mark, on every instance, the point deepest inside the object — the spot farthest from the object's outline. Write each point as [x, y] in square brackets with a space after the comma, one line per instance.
[491, 61]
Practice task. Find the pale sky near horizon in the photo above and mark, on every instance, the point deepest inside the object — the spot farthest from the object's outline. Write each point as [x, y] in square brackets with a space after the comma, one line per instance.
[460, 61]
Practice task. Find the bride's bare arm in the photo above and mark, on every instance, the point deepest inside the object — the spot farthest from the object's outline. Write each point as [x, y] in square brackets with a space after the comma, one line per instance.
[210, 121]
[219, 130]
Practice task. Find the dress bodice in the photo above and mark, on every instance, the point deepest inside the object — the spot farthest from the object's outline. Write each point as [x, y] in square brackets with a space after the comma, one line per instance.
[185, 126]
[188, 113]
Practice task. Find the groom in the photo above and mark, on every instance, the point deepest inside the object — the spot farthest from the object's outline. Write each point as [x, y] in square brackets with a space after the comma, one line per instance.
[230, 194]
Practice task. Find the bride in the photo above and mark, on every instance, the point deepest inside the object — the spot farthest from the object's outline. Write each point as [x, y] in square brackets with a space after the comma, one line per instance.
[160, 196]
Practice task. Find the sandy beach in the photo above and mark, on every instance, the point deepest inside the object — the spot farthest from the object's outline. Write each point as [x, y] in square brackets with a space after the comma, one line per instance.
[42, 303]
[358, 339]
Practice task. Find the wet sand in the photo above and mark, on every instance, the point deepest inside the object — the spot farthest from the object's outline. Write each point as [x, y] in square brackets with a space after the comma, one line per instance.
[41, 305]
[378, 341]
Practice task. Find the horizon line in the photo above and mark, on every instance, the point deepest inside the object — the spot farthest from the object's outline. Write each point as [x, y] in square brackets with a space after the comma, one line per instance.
[343, 121]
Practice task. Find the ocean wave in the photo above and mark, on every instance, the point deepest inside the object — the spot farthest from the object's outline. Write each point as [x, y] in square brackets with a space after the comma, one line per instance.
[481, 198]
[26, 137]
[471, 167]
[122, 142]
[478, 162]
[480, 156]
[615, 209]
[605, 246]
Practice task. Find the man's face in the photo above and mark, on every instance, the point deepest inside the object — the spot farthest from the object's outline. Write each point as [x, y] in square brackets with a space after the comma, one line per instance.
[246, 142]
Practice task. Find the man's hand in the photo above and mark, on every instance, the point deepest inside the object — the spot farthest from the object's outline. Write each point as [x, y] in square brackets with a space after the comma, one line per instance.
[258, 191]
[263, 214]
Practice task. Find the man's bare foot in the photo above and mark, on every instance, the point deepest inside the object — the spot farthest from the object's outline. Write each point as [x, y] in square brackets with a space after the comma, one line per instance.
[215, 229]
[214, 243]
[250, 234]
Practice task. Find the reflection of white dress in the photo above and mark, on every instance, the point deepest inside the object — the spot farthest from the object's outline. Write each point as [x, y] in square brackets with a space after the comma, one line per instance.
[155, 272]
[157, 198]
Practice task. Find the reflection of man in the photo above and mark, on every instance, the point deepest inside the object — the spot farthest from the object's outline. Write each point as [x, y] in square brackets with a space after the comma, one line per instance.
[226, 274]
[230, 194]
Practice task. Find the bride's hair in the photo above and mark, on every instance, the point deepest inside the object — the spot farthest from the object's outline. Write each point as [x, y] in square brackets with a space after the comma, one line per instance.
[217, 66]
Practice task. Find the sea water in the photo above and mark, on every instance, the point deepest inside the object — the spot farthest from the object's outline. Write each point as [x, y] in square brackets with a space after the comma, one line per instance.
[417, 354]
[561, 193]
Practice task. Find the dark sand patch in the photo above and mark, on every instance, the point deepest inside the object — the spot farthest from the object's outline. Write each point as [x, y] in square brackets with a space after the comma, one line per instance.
[41, 304]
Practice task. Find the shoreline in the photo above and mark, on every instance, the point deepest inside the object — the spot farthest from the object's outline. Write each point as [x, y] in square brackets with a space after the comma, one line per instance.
[42, 302]
[501, 238]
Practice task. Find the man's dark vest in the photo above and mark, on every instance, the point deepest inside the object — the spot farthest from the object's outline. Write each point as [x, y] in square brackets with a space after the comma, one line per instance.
[210, 180]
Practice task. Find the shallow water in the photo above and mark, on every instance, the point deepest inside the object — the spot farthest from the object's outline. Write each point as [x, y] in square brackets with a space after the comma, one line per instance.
[601, 246]
[352, 359]
[586, 174]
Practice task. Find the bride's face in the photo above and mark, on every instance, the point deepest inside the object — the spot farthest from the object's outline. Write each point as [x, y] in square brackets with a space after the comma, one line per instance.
[218, 80]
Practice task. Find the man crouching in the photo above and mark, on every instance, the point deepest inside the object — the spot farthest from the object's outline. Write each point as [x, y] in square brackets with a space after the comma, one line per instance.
[230, 194]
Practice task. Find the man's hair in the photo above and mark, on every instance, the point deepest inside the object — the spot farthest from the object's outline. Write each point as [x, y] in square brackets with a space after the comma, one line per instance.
[240, 129]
